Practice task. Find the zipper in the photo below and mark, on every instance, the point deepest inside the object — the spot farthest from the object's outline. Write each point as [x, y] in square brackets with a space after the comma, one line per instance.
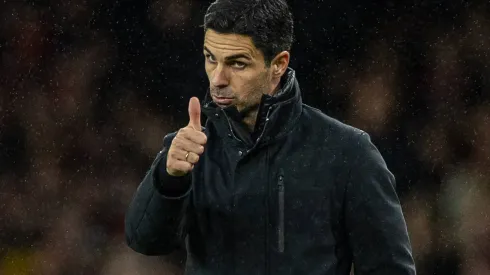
[265, 125]
[261, 134]
[280, 225]
[229, 126]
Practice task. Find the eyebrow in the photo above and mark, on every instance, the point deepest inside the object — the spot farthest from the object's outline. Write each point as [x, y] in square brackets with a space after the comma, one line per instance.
[231, 57]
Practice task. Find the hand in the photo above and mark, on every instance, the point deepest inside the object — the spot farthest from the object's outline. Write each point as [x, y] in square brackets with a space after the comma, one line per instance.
[189, 142]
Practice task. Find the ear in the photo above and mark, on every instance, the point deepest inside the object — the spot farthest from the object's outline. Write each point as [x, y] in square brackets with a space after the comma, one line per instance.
[280, 64]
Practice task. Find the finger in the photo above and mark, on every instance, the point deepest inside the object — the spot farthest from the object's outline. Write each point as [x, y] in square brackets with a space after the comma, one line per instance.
[180, 165]
[194, 136]
[187, 145]
[182, 155]
[192, 158]
[195, 114]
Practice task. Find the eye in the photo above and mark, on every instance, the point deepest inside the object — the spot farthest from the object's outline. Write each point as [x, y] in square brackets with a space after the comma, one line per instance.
[238, 65]
[210, 58]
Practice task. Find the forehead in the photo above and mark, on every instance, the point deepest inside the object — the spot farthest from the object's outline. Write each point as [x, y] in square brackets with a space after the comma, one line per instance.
[229, 44]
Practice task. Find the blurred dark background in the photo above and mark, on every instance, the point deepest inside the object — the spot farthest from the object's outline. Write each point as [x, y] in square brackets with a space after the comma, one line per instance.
[88, 89]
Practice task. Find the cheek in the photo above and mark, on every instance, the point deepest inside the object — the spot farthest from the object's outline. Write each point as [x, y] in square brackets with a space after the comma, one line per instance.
[247, 87]
[240, 85]
[250, 93]
[209, 71]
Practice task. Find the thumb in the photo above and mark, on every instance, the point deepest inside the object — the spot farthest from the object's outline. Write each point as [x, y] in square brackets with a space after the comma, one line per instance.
[195, 114]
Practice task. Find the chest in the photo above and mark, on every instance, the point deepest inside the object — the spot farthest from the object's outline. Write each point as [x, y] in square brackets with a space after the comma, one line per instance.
[289, 178]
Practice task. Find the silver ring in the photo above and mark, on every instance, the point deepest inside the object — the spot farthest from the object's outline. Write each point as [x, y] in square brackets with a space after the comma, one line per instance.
[186, 156]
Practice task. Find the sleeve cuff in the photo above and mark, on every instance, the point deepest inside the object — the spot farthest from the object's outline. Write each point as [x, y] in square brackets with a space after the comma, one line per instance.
[168, 186]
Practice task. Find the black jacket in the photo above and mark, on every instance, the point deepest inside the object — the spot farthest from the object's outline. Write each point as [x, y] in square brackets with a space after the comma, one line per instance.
[305, 195]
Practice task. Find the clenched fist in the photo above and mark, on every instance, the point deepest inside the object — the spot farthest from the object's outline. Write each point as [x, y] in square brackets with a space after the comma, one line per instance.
[188, 144]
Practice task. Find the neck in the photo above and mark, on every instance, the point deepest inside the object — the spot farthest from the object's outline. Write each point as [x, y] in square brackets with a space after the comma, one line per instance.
[251, 118]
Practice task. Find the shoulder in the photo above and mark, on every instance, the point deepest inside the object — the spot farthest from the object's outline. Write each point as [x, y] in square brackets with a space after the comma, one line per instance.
[352, 146]
[328, 127]
[352, 143]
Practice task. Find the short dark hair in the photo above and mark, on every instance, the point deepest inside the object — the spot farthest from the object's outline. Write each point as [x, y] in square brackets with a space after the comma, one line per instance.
[269, 23]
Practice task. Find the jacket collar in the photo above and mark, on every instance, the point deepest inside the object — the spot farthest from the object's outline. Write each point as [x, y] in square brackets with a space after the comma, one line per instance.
[276, 117]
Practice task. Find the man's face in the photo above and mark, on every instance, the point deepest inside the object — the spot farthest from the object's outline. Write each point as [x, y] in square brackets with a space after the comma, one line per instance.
[236, 70]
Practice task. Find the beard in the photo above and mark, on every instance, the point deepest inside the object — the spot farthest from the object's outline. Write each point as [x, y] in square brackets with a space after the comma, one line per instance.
[222, 92]
[246, 101]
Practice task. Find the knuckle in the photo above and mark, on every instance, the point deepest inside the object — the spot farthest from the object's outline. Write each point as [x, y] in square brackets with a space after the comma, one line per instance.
[196, 160]
[181, 167]
[172, 154]
[196, 149]
[175, 141]
[182, 132]
[180, 135]
[178, 142]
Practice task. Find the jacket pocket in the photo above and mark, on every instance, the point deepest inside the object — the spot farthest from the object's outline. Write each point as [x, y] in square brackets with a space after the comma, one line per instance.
[280, 225]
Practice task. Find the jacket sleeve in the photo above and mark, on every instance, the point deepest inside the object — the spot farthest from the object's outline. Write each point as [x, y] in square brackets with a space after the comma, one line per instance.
[375, 224]
[153, 219]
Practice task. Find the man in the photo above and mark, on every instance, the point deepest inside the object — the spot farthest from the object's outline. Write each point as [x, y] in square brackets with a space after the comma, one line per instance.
[269, 185]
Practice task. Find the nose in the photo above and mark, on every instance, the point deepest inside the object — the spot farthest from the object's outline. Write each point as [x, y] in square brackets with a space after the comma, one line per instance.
[219, 78]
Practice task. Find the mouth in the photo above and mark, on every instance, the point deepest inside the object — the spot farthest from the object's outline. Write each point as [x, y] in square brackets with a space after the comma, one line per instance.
[222, 101]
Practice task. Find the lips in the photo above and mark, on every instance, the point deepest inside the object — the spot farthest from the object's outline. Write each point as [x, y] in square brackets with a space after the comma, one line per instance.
[222, 100]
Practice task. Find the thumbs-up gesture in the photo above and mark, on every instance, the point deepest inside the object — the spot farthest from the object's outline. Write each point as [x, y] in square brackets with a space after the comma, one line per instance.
[188, 144]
